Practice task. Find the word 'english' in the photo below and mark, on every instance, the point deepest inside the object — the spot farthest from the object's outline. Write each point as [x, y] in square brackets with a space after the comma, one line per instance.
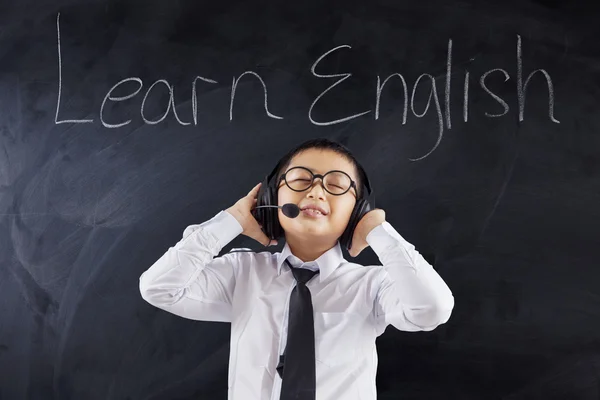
[442, 115]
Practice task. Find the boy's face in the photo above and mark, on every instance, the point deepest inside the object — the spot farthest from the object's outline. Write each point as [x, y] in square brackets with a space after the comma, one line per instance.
[308, 227]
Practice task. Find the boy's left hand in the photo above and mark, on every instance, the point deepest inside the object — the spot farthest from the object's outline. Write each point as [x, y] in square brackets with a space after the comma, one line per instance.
[366, 224]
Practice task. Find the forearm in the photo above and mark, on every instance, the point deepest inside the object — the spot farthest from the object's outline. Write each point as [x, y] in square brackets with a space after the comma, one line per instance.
[189, 272]
[412, 291]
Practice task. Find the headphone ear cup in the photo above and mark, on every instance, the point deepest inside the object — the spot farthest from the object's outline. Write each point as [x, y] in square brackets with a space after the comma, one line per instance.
[276, 230]
[360, 209]
[262, 199]
[271, 214]
[268, 217]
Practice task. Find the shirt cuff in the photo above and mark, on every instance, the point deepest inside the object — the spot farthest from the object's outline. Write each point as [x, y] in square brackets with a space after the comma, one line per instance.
[217, 232]
[224, 227]
[384, 236]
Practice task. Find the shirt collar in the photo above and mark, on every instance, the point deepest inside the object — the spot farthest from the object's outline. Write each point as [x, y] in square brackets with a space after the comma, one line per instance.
[327, 262]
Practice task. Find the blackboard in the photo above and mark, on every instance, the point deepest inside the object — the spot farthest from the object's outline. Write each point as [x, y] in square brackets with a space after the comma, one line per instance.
[124, 122]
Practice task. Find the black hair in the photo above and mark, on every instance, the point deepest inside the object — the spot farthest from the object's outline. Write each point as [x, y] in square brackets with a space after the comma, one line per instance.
[324, 144]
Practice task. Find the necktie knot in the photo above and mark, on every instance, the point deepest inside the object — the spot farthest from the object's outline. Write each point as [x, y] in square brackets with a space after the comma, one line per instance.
[302, 275]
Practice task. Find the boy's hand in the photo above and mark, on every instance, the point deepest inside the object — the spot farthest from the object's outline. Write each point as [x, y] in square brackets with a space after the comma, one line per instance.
[366, 224]
[241, 210]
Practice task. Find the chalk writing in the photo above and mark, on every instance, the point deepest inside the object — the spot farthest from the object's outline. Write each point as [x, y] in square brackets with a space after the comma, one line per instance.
[340, 78]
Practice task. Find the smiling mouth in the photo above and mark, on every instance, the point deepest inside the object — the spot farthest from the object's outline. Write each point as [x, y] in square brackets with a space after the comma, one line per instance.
[313, 213]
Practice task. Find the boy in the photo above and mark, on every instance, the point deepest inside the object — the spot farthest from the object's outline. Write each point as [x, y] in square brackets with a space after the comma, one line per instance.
[351, 304]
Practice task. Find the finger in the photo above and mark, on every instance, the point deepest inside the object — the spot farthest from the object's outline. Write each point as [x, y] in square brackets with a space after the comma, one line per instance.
[265, 241]
[254, 190]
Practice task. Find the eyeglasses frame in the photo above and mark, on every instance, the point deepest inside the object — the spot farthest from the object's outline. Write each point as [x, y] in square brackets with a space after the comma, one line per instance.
[322, 176]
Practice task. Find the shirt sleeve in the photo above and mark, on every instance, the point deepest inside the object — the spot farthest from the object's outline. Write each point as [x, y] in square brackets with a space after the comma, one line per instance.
[411, 295]
[188, 280]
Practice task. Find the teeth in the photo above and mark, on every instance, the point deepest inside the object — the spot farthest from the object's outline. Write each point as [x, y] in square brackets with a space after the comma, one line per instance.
[315, 211]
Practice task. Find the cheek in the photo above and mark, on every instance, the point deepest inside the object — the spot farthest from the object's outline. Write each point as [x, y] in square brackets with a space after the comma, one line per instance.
[343, 210]
[286, 196]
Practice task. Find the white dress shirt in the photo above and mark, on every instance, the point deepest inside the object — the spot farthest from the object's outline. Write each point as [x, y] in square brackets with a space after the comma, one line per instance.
[353, 304]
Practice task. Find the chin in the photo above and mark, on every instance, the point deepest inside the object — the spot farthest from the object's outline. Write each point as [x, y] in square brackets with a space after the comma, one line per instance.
[299, 228]
[310, 233]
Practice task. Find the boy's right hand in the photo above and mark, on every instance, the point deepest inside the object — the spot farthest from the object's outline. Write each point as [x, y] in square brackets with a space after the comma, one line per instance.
[242, 211]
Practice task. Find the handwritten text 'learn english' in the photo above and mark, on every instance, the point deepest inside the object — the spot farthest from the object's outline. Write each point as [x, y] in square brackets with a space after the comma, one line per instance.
[521, 92]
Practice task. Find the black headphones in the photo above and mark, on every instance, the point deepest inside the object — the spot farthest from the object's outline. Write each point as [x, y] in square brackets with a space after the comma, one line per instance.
[269, 219]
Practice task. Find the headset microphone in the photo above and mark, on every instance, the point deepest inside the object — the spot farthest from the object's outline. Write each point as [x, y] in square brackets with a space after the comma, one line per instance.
[290, 210]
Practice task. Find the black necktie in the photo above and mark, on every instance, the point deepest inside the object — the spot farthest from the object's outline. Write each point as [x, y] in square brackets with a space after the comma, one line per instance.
[297, 364]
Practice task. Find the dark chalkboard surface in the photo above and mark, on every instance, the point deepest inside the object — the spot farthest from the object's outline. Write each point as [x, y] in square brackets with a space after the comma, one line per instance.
[124, 122]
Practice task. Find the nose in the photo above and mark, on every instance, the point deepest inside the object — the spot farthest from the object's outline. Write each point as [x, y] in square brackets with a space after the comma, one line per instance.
[317, 189]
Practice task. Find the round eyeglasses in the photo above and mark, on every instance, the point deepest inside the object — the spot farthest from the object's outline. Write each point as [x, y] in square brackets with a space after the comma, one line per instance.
[334, 182]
